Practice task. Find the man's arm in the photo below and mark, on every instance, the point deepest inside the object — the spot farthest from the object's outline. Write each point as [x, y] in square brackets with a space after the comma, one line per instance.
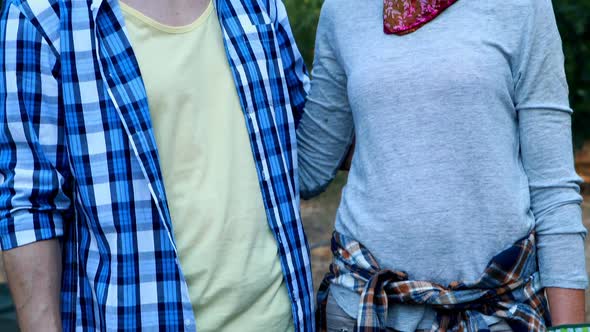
[294, 66]
[31, 151]
[34, 274]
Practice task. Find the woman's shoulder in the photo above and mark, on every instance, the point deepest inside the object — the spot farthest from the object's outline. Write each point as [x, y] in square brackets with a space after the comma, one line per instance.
[514, 16]
[520, 8]
[336, 8]
[526, 8]
[532, 14]
[347, 11]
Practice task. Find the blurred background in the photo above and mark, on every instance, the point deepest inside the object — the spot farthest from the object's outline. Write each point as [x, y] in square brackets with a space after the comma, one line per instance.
[573, 18]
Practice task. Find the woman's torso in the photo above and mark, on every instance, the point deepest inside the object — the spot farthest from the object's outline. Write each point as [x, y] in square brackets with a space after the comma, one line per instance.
[436, 171]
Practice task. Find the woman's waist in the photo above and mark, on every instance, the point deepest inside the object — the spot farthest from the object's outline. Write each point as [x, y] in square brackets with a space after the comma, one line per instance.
[441, 247]
[401, 317]
[510, 275]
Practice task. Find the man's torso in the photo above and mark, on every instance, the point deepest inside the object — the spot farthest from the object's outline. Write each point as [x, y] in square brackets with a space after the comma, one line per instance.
[121, 270]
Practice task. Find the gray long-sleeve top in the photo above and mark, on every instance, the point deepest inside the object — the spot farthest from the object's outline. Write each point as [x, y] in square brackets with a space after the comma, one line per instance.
[463, 141]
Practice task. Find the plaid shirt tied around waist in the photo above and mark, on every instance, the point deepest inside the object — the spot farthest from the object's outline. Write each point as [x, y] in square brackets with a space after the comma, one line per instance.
[504, 290]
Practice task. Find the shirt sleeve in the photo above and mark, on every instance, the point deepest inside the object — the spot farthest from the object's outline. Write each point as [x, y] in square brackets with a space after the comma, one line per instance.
[541, 98]
[326, 129]
[294, 65]
[31, 135]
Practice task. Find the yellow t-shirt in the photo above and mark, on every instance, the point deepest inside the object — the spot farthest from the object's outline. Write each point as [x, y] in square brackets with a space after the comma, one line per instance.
[226, 249]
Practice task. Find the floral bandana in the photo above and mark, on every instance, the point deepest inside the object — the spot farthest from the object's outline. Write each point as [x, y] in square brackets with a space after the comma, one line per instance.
[401, 17]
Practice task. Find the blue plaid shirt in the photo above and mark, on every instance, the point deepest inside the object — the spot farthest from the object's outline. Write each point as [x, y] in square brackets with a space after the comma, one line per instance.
[78, 158]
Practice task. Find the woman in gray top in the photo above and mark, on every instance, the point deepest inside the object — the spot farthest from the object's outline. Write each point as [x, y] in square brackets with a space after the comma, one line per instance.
[463, 147]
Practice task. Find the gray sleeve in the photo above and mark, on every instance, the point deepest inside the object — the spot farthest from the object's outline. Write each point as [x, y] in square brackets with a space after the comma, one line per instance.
[541, 98]
[326, 129]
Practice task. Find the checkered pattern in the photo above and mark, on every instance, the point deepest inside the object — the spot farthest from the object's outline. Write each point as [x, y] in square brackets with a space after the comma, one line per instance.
[507, 289]
[78, 158]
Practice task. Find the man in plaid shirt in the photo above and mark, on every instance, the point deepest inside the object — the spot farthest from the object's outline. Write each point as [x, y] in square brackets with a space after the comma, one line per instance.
[85, 221]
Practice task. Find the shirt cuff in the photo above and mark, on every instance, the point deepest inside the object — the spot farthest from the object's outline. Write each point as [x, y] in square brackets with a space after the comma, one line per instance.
[562, 262]
[28, 226]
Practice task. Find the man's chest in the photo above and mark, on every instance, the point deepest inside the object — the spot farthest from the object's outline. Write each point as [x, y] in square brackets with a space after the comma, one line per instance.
[172, 13]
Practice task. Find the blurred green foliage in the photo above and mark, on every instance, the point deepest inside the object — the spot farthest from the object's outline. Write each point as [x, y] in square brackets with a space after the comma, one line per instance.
[304, 16]
[573, 18]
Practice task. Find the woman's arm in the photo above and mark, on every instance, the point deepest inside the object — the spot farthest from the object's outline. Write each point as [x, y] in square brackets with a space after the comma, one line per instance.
[326, 130]
[547, 157]
[568, 305]
[541, 99]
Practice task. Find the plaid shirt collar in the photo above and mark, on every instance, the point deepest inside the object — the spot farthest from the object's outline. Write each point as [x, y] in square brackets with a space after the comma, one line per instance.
[507, 289]
[104, 102]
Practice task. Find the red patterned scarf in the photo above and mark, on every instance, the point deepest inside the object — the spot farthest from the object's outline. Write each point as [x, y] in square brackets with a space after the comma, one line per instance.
[401, 17]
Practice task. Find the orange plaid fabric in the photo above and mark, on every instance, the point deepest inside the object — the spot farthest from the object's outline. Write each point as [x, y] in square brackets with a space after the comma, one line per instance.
[509, 289]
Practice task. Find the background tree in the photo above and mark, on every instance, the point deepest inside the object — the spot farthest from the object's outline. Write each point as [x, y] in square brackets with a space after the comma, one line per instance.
[573, 17]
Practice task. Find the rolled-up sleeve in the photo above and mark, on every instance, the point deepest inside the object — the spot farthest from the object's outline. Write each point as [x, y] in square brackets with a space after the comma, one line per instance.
[32, 199]
[544, 114]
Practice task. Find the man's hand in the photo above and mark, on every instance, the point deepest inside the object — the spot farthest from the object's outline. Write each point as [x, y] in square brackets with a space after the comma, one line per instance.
[34, 278]
[567, 306]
